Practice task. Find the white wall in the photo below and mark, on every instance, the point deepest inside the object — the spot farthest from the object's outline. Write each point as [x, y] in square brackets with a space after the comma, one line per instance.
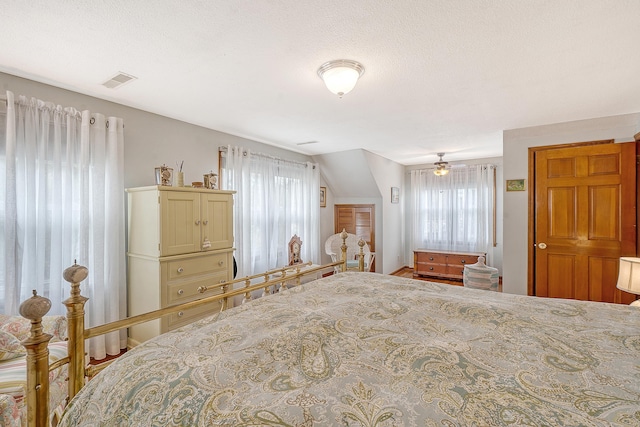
[516, 157]
[390, 240]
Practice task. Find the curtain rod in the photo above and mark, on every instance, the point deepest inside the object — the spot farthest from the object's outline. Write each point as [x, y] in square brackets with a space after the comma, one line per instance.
[267, 156]
[490, 165]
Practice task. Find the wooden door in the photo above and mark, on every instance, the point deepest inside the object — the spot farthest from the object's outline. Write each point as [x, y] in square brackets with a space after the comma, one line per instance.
[358, 220]
[584, 220]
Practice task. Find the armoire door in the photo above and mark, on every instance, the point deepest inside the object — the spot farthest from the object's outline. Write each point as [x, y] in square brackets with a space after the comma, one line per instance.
[358, 220]
[584, 220]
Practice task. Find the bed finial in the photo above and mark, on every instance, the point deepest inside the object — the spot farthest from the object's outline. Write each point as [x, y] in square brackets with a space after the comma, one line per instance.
[37, 345]
[344, 236]
[361, 243]
[75, 318]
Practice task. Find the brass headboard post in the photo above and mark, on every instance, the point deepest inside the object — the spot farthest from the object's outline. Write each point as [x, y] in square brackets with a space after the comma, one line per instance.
[75, 317]
[37, 361]
[344, 236]
[361, 243]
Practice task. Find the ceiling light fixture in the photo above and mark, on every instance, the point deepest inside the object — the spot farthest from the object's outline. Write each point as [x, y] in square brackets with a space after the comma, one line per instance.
[441, 166]
[340, 76]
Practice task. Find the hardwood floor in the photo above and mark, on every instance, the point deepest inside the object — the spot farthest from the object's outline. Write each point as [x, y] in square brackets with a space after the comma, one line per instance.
[408, 272]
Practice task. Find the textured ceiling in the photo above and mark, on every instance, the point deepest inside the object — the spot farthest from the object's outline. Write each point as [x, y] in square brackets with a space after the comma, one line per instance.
[441, 75]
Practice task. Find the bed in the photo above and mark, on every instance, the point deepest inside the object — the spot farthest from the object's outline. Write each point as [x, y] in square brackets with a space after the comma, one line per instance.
[365, 349]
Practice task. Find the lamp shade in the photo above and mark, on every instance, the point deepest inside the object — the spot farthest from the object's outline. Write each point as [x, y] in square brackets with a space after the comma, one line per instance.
[629, 275]
[340, 76]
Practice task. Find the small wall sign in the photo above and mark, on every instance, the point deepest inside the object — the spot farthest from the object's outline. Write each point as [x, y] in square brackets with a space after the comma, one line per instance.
[516, 185]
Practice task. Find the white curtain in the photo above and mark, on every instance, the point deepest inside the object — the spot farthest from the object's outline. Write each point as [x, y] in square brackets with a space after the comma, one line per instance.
[455, 211]
[275, 199]
[63, 200]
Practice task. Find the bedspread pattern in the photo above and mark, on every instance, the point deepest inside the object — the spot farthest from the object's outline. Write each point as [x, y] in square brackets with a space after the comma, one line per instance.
[364, 349]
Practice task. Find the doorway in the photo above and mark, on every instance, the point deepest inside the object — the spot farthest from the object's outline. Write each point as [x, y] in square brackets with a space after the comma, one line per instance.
[358, 220]
[582, 219]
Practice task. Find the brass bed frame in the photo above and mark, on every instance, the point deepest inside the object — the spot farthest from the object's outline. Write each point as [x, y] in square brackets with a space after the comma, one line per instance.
[37, 393]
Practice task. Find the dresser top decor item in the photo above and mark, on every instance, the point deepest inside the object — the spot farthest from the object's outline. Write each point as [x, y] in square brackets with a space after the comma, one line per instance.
[164, 175]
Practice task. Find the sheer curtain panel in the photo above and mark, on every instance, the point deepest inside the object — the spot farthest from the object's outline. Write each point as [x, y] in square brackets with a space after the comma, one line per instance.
[274, 200]
[455, 211]
[63, 200]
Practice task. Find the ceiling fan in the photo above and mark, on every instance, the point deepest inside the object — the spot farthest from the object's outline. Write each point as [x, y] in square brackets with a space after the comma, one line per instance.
[441, 166]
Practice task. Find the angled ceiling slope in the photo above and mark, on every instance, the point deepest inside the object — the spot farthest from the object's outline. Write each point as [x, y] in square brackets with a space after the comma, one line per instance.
[348, 174]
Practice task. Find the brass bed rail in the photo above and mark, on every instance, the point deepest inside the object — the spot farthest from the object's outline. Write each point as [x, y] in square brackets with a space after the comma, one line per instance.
[36, 307]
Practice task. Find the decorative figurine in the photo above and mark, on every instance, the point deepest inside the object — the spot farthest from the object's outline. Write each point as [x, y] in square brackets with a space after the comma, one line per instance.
[295, 245]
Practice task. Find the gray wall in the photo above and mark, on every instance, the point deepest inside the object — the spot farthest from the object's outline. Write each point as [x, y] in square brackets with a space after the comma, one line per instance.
[516, 156]
[150, 139]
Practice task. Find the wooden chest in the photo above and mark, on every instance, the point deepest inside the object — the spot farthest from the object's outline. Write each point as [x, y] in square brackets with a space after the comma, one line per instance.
[444, 264]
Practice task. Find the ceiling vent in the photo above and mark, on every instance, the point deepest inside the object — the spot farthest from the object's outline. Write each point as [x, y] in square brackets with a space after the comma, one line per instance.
[118, 80]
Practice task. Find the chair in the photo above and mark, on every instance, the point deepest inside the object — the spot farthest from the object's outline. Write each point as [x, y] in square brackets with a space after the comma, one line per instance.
[333, 248]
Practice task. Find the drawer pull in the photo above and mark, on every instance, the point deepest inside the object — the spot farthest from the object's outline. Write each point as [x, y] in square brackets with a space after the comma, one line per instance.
[463, 261]
[430, 258]
[180, 269]
[221, 263]
[180, 292]
[430, 268]
[180, 313]
[205, 222]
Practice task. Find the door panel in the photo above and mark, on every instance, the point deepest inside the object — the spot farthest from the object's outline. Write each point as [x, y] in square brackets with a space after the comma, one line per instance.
[217, 217]
[358, 220]
[562, 268]
[562, 213]
[581, 227]
[180, 233]
[604, 221]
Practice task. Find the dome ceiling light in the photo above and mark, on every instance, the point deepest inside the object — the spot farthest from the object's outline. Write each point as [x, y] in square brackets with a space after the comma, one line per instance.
[340, 76]
[441, 166]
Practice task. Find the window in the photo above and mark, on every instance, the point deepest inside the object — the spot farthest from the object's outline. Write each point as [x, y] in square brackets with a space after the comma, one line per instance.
[455, 211]
[275, 199]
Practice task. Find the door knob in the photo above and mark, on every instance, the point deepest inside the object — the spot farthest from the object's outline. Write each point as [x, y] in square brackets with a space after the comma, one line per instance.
[542, 245]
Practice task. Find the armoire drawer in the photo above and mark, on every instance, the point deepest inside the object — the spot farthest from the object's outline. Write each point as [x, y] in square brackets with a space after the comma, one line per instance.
[184, 291]
[181, 268]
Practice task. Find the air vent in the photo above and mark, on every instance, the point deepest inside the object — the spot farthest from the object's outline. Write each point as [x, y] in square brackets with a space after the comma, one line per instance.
[118, 80]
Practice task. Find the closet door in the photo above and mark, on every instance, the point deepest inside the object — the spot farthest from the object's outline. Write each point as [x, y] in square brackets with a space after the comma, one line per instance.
[358, 220]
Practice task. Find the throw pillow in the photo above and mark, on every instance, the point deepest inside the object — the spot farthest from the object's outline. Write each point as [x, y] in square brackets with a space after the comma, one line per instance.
[10, 347]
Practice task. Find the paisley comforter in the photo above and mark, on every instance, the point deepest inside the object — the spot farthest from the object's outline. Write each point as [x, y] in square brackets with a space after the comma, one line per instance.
[364, 349]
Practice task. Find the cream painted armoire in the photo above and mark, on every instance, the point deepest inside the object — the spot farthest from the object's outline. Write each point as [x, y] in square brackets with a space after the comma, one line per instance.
[179, 239]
